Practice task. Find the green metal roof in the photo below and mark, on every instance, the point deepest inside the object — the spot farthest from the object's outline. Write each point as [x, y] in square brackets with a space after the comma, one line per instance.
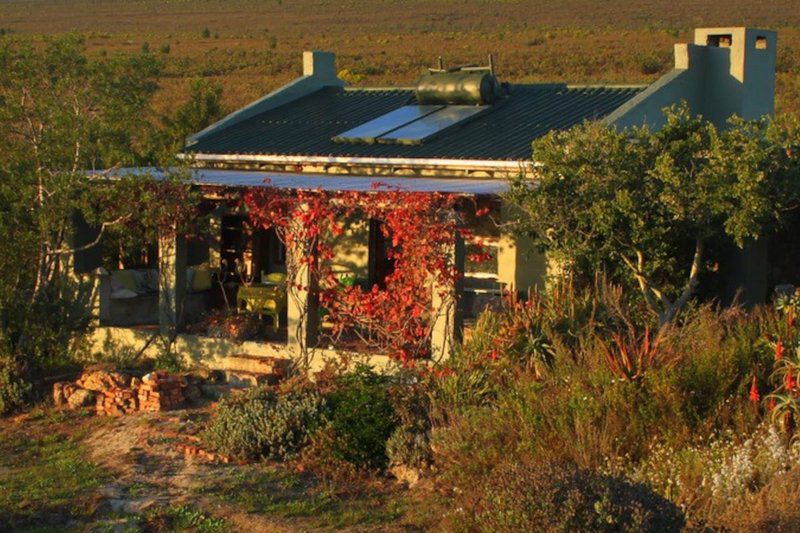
[306, 126]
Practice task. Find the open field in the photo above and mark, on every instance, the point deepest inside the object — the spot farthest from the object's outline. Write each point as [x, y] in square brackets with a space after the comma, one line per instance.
[250, 47]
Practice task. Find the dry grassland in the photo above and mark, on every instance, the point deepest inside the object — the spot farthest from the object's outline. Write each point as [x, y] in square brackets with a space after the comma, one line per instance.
[250, 47]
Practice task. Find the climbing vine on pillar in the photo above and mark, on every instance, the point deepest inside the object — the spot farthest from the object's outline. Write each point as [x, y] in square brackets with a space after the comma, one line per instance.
[392, 317]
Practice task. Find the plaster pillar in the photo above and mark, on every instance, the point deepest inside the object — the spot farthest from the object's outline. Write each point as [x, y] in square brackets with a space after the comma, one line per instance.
[215, 240]
[447, 317]
[302, 304]
[172, 280]
[98, 300]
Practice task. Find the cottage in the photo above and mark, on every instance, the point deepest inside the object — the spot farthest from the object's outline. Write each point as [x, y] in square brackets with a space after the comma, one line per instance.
[459, 131]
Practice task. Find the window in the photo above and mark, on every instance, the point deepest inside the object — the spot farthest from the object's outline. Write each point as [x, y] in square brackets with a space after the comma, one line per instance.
[761, 42]
[380, 265]
[481, 287]
[721, 40]
[233, 243]
[481, 269]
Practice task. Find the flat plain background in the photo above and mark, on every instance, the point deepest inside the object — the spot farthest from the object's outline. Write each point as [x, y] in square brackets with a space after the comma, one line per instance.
[250, 47]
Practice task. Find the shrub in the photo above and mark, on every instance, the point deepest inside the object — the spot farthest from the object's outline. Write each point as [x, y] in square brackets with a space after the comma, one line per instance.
[535, 41]
[362, 418]
[787, 61]
[322, 456]
[577, 411]
[14, 389]
[715, 477]
[719, 353]
[652, 63]
[262, 423]
[522, 337]
[519, 497]
[409, 445]
[773, 508]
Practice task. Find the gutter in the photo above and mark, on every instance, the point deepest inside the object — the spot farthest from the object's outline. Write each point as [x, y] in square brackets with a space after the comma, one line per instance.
[467, 164]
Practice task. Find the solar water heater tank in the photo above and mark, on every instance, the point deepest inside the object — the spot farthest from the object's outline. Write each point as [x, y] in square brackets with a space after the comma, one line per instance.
[457, 88]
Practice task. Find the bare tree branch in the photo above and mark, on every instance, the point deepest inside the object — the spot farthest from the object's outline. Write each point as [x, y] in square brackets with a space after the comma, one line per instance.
[96, 241]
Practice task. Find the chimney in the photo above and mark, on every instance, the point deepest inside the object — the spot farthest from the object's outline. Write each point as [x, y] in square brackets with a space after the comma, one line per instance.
[725, 72]
[739, 78]
[319, 70]
[319, 64]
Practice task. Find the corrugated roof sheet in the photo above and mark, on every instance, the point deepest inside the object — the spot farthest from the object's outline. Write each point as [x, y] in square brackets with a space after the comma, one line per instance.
[328, 182]
[306, 126]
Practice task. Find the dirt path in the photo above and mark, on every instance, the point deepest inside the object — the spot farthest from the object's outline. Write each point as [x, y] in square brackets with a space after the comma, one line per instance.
[151, 470]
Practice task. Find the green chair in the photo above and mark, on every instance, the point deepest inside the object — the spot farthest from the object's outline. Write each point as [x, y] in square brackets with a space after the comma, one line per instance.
[265, 299]
[275, 277]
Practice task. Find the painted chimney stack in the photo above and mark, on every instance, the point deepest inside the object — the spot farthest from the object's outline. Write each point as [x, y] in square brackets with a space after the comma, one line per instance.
[725, 72]
[319, 64]
[739, 72]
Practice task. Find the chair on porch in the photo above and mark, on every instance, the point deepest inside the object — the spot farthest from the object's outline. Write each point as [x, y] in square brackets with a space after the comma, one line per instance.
[267, 298]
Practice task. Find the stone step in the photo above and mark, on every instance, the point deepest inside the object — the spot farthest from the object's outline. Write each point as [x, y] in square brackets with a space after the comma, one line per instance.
[241, 379]
[256, 364]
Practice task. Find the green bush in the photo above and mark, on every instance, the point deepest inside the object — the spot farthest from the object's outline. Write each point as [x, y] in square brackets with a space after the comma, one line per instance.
[559, 498]
[362, 418]
[652, 63]
[409, 444]
[720, 352]
[263, 424]
[323, 458]
[715, 477]
[408, 447]
[14, 389]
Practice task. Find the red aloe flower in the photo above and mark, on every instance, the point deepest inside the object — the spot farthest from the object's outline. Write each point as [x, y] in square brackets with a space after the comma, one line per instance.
[778, 350]
[755, 397]
[444, 372]
[771, 404]
[791, 383]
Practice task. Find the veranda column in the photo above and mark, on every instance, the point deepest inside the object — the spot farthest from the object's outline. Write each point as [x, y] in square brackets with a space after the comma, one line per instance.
[215, 240]
[448, 321]
[172, 279]
[302, 306]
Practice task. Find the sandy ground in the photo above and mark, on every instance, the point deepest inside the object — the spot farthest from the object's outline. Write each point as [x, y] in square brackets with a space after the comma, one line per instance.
[150, 469]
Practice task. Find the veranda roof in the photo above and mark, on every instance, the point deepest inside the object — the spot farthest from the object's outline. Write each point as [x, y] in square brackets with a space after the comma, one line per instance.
[325, 182]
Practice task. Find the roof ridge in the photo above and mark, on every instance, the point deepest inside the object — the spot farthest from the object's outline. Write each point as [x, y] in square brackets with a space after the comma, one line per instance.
[606, 85]
[381, 88]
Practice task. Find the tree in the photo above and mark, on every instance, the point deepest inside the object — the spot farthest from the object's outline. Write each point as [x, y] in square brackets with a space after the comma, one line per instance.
[201, 109]
[646, 204]
[62, 114]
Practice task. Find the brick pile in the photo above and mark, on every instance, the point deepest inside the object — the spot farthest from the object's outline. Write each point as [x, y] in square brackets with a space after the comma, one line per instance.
[160, 391]
[100, 380]
[117, 394]
[62, 392]
[116, 402]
